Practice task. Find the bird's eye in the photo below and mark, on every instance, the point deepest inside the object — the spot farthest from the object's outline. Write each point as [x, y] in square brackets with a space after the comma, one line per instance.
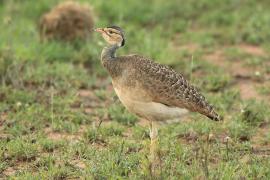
[110, 32]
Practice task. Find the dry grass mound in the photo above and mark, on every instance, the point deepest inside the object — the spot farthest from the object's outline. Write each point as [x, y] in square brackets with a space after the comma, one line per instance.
[67, 21]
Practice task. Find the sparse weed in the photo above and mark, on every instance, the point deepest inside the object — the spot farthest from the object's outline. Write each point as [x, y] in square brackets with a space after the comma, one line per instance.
[254, 113]
[21, 150]
[217, 82]
[50, 145]
[264, 89]
[119, 113]
[234, 54]
[240, 130]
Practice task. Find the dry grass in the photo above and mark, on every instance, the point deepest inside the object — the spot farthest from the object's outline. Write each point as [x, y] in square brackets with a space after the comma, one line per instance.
[67, 21]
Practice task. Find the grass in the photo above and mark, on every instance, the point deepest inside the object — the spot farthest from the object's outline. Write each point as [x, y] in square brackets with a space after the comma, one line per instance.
[58, 119]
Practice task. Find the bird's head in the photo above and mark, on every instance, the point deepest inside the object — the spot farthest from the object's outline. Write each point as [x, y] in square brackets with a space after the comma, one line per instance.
[113, 35]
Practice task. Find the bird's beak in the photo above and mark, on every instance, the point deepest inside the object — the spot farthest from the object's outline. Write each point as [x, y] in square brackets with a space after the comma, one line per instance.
[100, 30]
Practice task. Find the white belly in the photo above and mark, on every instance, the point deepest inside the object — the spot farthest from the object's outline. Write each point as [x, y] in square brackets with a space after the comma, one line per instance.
[147, 109]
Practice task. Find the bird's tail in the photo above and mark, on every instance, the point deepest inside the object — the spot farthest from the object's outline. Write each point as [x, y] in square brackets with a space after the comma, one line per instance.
[210, 112]
[214, 116]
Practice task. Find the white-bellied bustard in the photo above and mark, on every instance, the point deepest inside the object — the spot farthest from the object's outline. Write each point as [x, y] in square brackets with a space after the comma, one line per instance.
[148, 89]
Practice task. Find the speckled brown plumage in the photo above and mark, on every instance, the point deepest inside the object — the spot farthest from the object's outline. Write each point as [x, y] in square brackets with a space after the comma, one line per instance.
[157, 83]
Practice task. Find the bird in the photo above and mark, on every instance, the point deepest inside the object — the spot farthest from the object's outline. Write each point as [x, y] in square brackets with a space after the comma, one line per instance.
[148, 89]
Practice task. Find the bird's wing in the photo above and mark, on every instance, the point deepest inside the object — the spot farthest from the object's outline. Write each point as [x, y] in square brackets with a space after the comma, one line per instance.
[166, 86]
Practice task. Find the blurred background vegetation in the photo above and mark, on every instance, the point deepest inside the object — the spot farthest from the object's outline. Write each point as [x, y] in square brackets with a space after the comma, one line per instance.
[58, 118]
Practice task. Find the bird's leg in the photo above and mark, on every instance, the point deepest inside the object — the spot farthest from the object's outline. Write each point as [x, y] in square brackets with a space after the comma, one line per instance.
[154, 149]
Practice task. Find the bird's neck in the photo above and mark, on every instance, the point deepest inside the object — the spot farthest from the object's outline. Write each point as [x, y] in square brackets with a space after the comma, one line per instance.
[109, 53]
[108, 60]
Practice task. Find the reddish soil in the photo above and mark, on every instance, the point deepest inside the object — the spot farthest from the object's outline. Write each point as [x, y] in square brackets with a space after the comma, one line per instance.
[56, 136]
[248, 90]
[250, 49]
[243, 75]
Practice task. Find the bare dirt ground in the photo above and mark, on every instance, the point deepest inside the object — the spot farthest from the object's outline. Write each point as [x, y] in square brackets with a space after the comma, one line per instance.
[244, 77]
